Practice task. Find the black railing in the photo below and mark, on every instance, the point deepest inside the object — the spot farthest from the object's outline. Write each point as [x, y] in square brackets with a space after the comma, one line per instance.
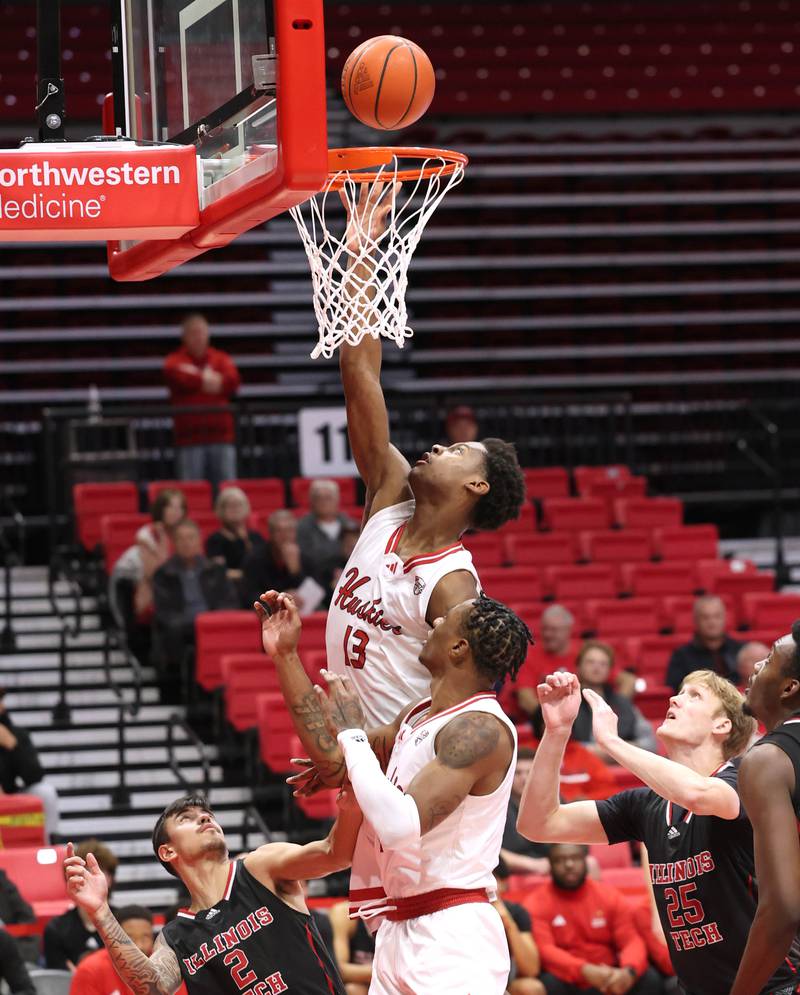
[13, 537]
[253, 822]
[115, 641]
[174, 723]
[70, 625]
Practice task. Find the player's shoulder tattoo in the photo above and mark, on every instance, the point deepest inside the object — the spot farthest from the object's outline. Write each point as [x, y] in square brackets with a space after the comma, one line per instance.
[467, 739]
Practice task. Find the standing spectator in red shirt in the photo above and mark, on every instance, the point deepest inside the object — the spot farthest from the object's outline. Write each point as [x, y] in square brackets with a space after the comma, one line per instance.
[586, 934]
[198, 375]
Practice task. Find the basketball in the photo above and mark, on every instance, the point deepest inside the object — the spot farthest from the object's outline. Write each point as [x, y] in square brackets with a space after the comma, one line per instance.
[388, 82]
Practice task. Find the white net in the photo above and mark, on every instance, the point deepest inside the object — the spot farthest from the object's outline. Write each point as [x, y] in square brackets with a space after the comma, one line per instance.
[360, 269]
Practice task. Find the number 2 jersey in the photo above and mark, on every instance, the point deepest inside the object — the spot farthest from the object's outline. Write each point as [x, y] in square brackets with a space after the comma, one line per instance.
[702, 871]
[376, 621]
[251, 943]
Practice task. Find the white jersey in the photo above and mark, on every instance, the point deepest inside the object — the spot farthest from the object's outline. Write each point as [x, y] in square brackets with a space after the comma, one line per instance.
[464, 849]
[376, 621]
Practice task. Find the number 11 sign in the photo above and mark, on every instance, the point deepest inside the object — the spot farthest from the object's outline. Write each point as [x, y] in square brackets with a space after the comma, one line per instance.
[324, 445]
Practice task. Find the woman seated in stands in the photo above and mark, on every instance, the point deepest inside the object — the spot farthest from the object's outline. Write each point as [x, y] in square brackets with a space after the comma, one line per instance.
[232, 542]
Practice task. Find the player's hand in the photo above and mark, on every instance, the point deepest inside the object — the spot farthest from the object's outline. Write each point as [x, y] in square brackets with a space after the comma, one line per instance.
[86, 883]
[341, 707]
[316, 777]
[368, 220]
[604, 719]
[212, 381]
[560, 699]
[280, 631]
[346, 799]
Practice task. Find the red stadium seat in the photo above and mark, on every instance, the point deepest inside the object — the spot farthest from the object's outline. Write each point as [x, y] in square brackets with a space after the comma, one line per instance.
[653, 702]
[649, 655]
[618, 617]
[648, 513]
[546, 482]
[587, 476]
[300, 486]
[523, 525]
[617, 855]
[738, 584]
[39, 875]
[275, 732]
[575, 514]
[687, 542]
[613, 490]
[354, 511]
[708, 571]
[314, 661]
[21, 821]
[775, 612]
[219, 634]
[207, 522]
[244, 677]
[542, 549]
[512, 584]
[196, 492]
[92, 502]
[658, 579]
[264, 493]
[622, 546]
[117, 533]
[628, 880]
[487, 548]
[591, 580]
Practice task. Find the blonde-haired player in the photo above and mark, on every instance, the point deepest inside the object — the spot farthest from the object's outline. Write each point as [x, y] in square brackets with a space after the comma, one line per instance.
[698, 837]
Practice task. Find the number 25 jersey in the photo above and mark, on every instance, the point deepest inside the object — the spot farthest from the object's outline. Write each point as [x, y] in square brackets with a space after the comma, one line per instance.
[376, 621]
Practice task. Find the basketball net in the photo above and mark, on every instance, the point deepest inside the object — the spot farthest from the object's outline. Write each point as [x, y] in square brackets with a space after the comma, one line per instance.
[360, 271]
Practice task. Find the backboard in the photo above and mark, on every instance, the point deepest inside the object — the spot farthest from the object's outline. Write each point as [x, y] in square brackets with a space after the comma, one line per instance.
[243, 81]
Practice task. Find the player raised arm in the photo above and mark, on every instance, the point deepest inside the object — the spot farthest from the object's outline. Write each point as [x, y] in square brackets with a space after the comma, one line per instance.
[676, 782]
[473, 752]
[766, 784]
[280, 634]
[158, 974]
[383, 469]
[542, 817]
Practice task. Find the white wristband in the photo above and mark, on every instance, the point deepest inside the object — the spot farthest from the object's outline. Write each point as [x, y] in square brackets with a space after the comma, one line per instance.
[394, 816]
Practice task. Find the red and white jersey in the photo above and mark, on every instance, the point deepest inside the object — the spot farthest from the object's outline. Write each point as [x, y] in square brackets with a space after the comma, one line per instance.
[464, 849]
[376, 622]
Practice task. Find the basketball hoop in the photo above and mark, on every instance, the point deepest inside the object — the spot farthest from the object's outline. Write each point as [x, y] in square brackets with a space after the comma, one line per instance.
[348, 306]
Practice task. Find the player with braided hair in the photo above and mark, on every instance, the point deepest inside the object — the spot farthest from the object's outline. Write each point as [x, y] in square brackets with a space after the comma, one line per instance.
[769, 786]
[434, 786]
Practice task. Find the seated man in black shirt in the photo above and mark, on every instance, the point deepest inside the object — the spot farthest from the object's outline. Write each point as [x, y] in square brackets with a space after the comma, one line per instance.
[69, 937]
[15, 911]
[691, 820]
[12, 967]
[520, 855]
[277, 566]
[711, 648]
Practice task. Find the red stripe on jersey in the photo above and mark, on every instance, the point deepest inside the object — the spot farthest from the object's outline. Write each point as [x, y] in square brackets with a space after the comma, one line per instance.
[229, 882]
[423, 558]
[312, 944]
[394, 538]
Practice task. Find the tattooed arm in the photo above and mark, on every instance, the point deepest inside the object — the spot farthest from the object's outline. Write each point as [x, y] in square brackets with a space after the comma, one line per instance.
[280, 636]
[88, 888]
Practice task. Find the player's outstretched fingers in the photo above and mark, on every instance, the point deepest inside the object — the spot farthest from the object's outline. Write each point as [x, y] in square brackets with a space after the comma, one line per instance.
[325, 708]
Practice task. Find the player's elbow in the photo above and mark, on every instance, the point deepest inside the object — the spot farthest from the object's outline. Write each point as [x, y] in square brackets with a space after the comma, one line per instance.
[705, 799]
[538, 825]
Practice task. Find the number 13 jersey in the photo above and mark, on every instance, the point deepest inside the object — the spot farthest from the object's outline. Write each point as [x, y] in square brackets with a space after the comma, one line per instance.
[376, 621]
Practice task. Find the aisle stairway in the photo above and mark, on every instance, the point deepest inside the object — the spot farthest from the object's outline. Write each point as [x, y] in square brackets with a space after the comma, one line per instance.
[82, 760]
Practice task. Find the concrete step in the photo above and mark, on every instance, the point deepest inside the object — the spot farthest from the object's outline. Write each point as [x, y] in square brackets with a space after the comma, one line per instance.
[82, 698]
[45, 740]
[102, 826]
[134, 757]
[154, 800]
[91, 780]
[93, 716]
[25, 681]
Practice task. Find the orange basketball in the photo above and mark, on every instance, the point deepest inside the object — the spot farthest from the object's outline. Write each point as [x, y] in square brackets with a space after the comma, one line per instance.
[388, 82]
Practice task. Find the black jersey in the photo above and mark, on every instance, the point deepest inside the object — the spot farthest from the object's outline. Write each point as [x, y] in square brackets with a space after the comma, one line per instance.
[787, 737]
[702, 870]
[251, 943]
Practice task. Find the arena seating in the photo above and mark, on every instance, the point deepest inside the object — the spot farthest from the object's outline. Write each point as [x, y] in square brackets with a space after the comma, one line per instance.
[38, 873]
[92, 501]
[265, 494]
[196, 492]
[218, 634]
[21, 821]
[300, 486]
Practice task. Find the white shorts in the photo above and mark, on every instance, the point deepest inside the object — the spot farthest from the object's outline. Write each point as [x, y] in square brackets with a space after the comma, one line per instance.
[458, 951]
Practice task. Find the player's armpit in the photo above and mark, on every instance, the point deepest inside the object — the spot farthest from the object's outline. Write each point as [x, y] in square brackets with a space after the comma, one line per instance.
[453, 589]
[766, 783]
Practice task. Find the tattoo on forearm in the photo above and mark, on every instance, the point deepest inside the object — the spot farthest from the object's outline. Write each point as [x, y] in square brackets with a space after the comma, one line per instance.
[347, 712]
[438, 811]
[468, 739]
[312, 721]
[159, 975]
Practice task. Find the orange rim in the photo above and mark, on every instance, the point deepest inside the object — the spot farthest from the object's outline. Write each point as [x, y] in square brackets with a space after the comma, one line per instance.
[362, 164]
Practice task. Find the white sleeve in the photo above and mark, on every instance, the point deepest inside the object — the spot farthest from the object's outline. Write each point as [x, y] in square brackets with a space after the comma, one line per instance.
[394, 816]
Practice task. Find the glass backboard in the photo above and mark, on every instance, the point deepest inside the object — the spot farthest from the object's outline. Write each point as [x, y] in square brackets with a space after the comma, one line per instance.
[202, 73]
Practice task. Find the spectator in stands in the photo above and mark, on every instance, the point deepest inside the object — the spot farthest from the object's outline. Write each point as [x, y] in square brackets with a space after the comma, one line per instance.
[95, 975]
[746, 659]
[711, 649]
[186, 585]
[319, 533]
[68, 938]
[12, 967]
[594, 664]
[353, 948]
[276, 566]
[586, 933]
[15, 911]
[21, 770]
[523, 979]
[555, 649]
[199, 376]
[521, 856]
[461, 425]
[233, 541]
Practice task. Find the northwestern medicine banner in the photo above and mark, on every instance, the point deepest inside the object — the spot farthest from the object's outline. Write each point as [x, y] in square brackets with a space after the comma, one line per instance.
[75, 192]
